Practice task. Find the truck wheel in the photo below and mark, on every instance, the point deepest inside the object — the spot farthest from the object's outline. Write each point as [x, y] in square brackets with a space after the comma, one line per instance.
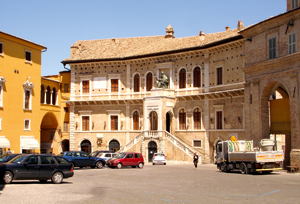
[243, 168]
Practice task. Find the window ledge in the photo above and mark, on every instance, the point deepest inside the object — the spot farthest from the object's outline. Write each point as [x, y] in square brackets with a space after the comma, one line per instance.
[28, 62]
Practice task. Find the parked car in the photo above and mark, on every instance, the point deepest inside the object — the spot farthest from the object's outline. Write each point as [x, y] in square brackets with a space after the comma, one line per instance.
[96, 153]
[132, 159]
[36, 167]
[82, 159]
[159, 158]
[106, 156]
[7, 157]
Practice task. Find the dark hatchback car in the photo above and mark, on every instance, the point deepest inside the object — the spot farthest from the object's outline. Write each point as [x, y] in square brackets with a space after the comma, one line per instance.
[83, 159]
[36, 167]
[7, 157]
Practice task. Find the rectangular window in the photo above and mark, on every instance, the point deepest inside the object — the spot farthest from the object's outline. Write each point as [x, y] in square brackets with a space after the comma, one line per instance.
[27, 100]
[114, 122]
[28, 56]
[295, 4]
[272, 48]
[219, 76]
[85, 87]
[114, 85]
[26, 124]
[219, 118]
[85, 123]
[66, 127]
[66, 88]
[1, 48]
[292, 43]
[197, 143]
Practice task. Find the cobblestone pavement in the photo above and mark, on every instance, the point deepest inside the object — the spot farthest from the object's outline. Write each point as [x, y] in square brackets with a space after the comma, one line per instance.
[173, 183]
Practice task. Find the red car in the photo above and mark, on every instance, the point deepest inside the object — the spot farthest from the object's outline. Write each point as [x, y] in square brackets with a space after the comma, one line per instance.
[132, 159]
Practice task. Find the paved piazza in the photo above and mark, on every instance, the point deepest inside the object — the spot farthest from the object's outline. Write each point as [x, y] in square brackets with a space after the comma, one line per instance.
[173, 183]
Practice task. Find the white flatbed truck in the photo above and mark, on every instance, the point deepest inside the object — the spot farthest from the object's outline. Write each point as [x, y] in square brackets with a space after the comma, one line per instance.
[240, 155]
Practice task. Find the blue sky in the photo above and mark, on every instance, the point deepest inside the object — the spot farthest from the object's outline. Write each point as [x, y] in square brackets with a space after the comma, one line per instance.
[57, 24]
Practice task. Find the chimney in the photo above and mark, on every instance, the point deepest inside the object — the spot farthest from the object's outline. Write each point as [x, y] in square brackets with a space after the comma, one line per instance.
[201, 33]
[240, 25]
[227, 28]
[169, 32]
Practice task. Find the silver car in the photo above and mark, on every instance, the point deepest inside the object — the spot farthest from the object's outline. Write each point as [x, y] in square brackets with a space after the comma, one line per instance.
[159, 158]
[106, 156]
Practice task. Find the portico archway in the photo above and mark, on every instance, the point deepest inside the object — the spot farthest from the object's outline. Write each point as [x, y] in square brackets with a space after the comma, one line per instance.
[86, 146]
[275, 115]
[152, 148]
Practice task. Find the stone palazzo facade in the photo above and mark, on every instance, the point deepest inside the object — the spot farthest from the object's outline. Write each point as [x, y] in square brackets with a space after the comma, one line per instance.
[115, 103]
[241, 82]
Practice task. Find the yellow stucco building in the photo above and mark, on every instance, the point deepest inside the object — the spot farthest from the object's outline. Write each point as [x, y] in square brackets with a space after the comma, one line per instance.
[20, 82]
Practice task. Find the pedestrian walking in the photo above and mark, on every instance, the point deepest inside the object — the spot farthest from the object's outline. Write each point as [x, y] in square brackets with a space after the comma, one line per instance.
[8, 151]
[195, 160]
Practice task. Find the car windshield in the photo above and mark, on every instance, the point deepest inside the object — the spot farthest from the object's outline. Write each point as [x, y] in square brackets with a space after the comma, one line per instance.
[159, 155]
[118, 156]
[18, 159]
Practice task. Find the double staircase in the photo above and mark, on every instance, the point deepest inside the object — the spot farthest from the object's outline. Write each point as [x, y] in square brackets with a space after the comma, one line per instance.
[187, 149]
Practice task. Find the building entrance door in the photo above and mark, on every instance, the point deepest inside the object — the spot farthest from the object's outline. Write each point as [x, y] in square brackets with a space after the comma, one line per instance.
[152, 148]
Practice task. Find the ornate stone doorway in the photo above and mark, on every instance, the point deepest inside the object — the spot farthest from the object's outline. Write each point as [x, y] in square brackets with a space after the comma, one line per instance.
[152, 148]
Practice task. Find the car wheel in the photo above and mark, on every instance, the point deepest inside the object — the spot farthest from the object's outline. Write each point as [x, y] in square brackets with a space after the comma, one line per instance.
[165, 163]
[99, 165]
[57, 177]
[119, 165]
[8, 177]
[133, 166]
[140, 165]
[243, 168]
[43, 181]
[153, 163]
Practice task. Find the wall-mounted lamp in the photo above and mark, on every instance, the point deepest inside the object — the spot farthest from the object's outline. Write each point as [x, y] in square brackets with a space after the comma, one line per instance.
[225, 120]
[121, 125]
[239, 119]
[211, 120]
[76, 125]
[92, 125]
[104, 125]
[59, 129]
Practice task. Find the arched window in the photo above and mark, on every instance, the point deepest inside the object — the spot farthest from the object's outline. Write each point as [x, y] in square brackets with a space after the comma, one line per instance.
[54, 96]
[197, 119]
[48, 95]
[197, 77]
[42, 94]
[182, 119]
[182, 79]
[149, 83]
[153, 120]
[136, 120]
[136, 82]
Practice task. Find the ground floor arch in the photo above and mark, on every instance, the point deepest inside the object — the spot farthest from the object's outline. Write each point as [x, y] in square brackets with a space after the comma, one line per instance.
[65, 145]
[49, 133]
[114, 145]
[86, 146]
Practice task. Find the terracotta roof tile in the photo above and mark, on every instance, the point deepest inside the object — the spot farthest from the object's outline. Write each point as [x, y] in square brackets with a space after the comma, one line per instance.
[137, 46]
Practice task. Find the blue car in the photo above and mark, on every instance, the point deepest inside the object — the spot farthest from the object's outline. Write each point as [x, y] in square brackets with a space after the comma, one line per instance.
[82, 159]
